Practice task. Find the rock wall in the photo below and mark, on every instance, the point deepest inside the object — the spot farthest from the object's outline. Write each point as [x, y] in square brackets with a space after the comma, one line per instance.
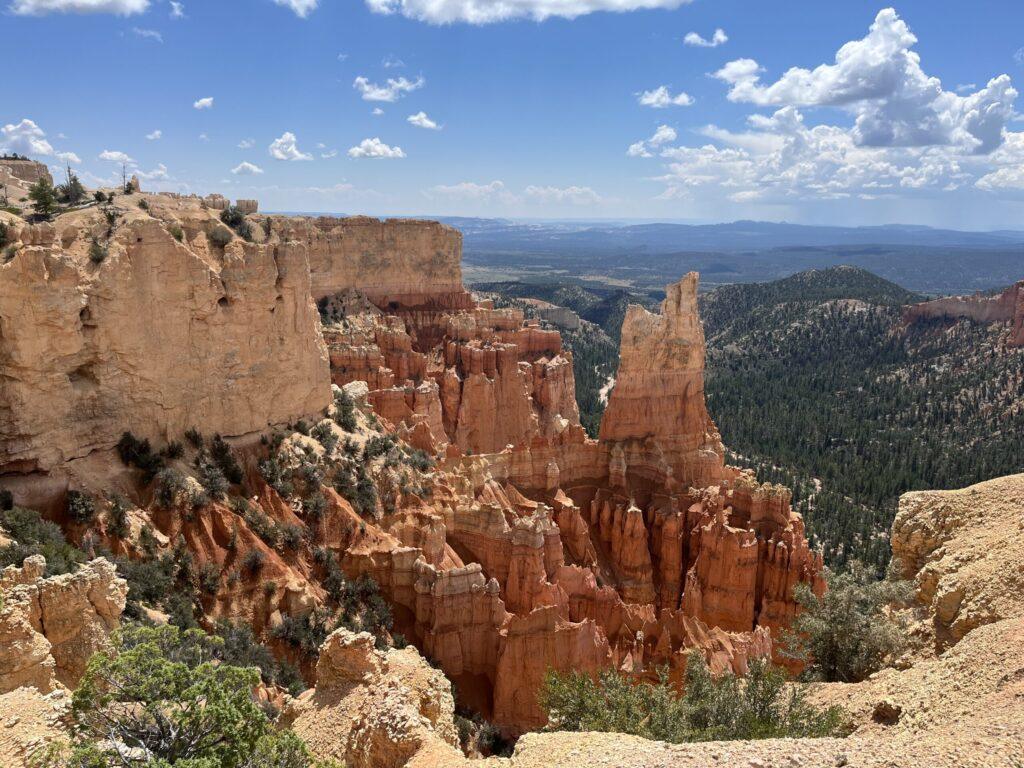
[50, 627]
[26, 171]
[160, 336]
[397, 263]
[1007, 307]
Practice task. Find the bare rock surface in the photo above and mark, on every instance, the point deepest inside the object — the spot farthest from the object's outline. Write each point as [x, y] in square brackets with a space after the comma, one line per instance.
[49, 627]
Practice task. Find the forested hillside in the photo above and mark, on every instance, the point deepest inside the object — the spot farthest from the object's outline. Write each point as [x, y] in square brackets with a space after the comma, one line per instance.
[814, 381]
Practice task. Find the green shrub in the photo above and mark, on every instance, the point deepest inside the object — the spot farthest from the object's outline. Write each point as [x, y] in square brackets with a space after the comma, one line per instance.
[242, 649]
[292, 536]
[177, 232]
[44, 199]
[846, 634]
[143, 203]
[97, 253]
[225, 458]
[34, 536]
[4, 233]
[170, 485]
[161, 692]
[81, 508]
[194, 436]
[276, 477]
[253, 561]
[325, 436]
[378, 445]
[306, 633]
[209, 578]
[139, 453]
[315, 505]
[72, 192]
[235, 219]
[117, 518]
[727, 708]
[344, 411]
[211, 476]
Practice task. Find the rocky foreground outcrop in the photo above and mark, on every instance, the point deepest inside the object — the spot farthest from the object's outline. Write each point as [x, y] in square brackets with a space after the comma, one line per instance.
[1006, 307]
[376, 709]
[49, 627]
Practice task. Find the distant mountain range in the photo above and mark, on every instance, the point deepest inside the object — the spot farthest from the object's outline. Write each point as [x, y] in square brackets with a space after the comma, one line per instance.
[644, 257]
[733, 236]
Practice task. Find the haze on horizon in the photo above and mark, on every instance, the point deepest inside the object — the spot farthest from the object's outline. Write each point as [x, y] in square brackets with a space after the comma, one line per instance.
[806, 112]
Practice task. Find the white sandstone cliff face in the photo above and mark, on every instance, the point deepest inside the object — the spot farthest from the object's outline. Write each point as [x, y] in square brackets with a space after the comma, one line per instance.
[161, 336]
[50, 627]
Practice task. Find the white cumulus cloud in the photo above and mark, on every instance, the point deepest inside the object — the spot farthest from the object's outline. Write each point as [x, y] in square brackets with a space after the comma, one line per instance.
[663, 135]
[375, 148]
[204, 103]
[879, 79]
[157, 134]
[116, 156]
[661, 97]
[25, 138]
[420, 120]
[696, 40]
[490, 11]
[157, 174]
[286, 147]
[43, 7]
[302, 8]
[391, 91]
[246, 144]
[245, 168]
[177, 10]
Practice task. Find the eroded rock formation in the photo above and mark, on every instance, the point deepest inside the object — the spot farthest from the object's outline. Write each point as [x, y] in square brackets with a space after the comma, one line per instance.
[518, 546]
[374, 709]
[49, 627]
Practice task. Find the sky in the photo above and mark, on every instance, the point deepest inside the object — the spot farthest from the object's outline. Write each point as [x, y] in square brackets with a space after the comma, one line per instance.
[840, 112]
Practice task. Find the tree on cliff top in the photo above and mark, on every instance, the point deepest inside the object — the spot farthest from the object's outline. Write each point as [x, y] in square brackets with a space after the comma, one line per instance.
[847, 633]
[44, 200]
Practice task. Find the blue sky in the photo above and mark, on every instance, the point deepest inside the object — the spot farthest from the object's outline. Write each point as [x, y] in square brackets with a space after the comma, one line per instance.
[537, 115]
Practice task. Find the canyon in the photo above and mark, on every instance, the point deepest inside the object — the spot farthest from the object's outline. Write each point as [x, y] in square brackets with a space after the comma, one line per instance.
[529, 547]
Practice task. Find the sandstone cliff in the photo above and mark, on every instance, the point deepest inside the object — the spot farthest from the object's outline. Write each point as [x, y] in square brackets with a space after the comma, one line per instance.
[161, 335]
[1006, 307]
[50, 627]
